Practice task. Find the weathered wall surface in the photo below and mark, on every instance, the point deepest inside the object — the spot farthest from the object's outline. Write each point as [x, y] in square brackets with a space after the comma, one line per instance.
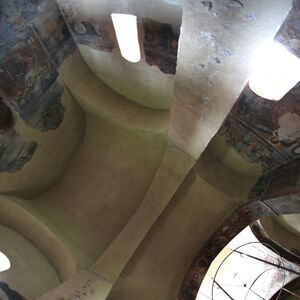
[34, 42]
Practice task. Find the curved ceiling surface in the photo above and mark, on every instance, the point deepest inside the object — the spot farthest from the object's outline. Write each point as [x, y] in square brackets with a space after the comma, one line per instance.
[118, 172]
[148, 82]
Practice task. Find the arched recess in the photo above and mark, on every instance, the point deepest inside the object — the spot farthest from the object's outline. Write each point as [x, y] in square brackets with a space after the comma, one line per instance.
[277, 192]
[18, 219]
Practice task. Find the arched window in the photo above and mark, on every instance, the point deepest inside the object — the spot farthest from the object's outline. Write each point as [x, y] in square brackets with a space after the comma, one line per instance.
[4, 262]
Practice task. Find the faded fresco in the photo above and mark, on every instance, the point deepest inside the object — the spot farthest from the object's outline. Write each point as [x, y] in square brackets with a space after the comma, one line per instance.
[34, 41]
[263, 131]
[160, 45]
[289, 32]
[160, 40]
[93, 34]
[96, 34]
[15, 152]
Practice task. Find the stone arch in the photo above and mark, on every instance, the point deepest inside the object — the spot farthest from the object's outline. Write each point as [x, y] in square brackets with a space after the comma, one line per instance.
[275, 193]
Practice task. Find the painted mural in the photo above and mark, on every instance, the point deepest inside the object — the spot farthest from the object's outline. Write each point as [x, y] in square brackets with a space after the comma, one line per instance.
[34, 41]
[247, 144]
[15, 152]
[263, 131]
[266, 132]
[53, 32]
[160, 45]
[160, 41]
[92, 34]
[289, 32]
[97, 34]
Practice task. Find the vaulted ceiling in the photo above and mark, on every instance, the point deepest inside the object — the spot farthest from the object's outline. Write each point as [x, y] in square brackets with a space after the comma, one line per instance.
[116, 177]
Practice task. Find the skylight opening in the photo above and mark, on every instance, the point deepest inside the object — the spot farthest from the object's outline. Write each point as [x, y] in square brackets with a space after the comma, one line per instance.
[127, 35]
[276, 71]
[4, 262]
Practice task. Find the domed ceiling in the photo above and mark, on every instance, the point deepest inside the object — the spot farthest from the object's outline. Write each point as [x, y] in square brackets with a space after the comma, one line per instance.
[114, 175]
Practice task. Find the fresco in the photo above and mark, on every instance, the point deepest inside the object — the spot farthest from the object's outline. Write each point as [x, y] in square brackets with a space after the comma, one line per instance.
[14, 15]
[249, 145]
[53, 32]
[26, 75]
[92, 34]
[15, 152]
[28, 62]
[289, 32]
[160, 40]
[96, 34]
[263, 131]
[34, 42]
[160, 45]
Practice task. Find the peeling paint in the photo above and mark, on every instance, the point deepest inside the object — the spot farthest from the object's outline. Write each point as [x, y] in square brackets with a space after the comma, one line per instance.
[208, 5]
[160, 45]
[34, 42]
[263, 131]
[15, 152]
[92, 33]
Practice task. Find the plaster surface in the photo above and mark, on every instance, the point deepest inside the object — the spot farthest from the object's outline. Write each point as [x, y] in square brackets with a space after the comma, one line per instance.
[214, 63]
[116, 197]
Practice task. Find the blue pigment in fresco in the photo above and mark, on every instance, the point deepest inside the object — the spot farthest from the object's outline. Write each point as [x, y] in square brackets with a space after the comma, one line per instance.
[34, 42]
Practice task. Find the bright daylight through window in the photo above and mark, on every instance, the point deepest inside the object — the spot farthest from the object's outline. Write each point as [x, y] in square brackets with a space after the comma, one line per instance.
[276, 71]
[4, 262]
[127, 36]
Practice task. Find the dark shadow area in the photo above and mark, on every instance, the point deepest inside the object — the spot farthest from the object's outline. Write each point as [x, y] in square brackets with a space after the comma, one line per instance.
[6, 116]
